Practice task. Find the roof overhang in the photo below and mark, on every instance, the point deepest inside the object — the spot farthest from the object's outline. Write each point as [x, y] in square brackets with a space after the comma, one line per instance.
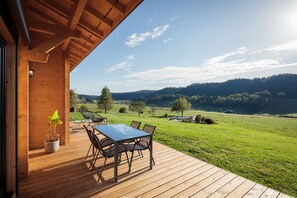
[79, 26]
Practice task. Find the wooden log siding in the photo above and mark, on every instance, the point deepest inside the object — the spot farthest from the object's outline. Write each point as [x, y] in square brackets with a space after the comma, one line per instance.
[46, 95]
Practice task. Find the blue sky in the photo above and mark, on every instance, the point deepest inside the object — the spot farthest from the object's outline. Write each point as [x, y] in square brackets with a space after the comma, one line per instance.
[173, 43]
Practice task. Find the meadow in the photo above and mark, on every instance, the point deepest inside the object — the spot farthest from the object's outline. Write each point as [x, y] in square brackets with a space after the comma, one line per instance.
[262, 148]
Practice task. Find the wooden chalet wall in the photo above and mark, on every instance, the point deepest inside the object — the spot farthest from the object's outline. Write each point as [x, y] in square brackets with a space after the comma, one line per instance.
[47, 93]
[10, 108]
[39, 97]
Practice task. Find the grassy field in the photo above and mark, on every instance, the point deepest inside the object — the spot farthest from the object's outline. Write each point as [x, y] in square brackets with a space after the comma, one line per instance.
[260, 148]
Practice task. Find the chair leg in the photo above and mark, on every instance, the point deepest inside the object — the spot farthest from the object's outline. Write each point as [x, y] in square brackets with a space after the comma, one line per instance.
[91, 145]
[102, 170]
[140, 152]
[128, 161]
[154, 162]
[95, 159]
[131, 162]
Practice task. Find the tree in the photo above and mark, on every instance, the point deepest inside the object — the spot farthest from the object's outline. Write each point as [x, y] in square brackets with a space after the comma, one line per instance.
[181, 105]
[153, 109]
[73, 99]
[138, 106]
[105, 100]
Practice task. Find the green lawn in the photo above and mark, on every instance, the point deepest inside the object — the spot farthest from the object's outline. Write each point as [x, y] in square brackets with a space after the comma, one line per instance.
[260, 148]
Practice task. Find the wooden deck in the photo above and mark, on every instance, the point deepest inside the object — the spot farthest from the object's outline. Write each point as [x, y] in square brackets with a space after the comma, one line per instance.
[66, 174]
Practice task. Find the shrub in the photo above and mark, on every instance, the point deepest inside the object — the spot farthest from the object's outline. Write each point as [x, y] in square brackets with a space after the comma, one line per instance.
[123, 110]
[207, 120]
[198, 118]
[166, 115]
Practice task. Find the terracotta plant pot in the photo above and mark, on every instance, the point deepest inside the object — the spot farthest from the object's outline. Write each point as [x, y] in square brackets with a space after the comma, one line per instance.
[51, 147]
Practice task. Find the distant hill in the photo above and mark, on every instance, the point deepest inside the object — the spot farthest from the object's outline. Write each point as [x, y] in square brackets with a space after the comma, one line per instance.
[132, 95]
[286, 83]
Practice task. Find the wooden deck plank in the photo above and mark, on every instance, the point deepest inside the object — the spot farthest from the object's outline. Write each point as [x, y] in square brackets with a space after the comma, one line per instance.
[256, 191]
[66, 174]
[173, 183]
[229, 187]
[214, 186]
[241, 190]
[270, 193]
[202, 184]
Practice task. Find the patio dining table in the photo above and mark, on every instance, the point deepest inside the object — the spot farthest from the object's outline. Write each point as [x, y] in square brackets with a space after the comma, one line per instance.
[120, 133]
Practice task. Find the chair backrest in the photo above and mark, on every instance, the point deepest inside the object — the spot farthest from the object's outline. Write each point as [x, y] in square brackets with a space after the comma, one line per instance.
[149, 129]
[89, 132]
[135, 124]
[97, 144]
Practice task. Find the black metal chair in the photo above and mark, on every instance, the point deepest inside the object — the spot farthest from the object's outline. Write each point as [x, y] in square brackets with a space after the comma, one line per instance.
[142, 143]
[106, 152]
[91, 117]
[104, 142]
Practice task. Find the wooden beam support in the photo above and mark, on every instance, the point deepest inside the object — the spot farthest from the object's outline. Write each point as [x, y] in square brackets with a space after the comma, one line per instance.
[81, 45]
[86, 26]
[98, 16]
[75, 15]
[117, 6]
[50, 44]
[35, 56]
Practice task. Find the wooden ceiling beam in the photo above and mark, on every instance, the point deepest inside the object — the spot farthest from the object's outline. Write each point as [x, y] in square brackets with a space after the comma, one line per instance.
[98, 16]
[75, 54]
[88, 40]
[53, 42]
[81, 45]
[74, 48]
[117, 6]
[44, 16]
[73, 58]
[86, 26]
[48, 28]
[55, 7]
[75, 15]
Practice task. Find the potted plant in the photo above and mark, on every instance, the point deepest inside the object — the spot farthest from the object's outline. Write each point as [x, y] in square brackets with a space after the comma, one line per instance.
[52, 142]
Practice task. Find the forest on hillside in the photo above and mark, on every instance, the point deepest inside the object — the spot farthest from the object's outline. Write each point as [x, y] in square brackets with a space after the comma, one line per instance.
[250, 95]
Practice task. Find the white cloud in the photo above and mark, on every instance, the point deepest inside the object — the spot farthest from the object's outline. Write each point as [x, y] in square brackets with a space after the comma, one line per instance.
[217, 59]
[283, 47]
[135, 39]
[225, 66]
[124, 65]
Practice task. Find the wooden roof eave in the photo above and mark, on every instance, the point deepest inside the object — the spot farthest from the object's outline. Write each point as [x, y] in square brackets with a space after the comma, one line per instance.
[64, 23]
